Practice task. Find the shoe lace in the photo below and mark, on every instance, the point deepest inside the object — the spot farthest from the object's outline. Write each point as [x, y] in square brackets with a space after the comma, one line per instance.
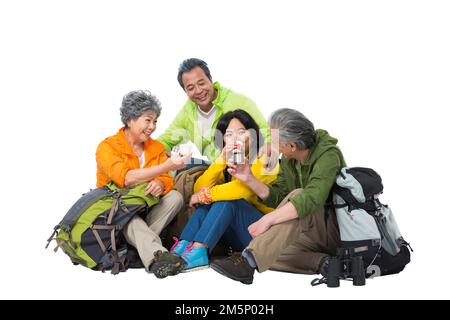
[190, 246]
[237, 259]
[188, 249]
[175, 244]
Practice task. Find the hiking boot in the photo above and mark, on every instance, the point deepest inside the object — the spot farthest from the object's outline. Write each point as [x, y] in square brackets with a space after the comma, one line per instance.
[324, 265]
[235, 267]
[179, 246]
[196, 258]
[166, 264]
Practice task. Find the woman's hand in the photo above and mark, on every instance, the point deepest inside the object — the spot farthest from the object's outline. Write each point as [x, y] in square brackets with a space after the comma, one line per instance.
[201, 197]
[154, 188]
[260, 226]
[194, 200]
[240, 171]
[176, 163]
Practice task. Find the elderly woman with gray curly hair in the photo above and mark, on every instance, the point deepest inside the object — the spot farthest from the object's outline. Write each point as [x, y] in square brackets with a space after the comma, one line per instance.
[132, 157]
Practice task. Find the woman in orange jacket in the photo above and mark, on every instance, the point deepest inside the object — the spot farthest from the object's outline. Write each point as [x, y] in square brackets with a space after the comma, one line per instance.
[226, 206]
[131, 157]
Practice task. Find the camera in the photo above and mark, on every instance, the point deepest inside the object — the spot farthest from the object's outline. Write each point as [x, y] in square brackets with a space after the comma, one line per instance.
[346, 264]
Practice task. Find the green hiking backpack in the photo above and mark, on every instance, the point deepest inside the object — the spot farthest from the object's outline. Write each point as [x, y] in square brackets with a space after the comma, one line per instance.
[90, 232]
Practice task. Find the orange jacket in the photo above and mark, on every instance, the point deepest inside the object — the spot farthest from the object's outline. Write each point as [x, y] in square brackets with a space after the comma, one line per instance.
[115, 158]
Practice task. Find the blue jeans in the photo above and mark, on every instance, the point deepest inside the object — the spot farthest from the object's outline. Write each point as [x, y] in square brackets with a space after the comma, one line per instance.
[227, 219]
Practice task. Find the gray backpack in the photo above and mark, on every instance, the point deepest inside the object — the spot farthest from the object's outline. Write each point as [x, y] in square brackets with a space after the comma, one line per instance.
[367, 226]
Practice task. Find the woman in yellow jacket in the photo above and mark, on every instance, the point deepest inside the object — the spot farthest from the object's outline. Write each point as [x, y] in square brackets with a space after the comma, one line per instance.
[226, 207]
[131, 157]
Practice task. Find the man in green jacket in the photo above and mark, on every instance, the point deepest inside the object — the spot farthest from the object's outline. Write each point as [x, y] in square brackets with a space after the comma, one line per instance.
[207, 101]
[300, 234]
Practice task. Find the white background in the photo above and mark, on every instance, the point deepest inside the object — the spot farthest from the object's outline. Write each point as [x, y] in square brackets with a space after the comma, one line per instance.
[375, 74]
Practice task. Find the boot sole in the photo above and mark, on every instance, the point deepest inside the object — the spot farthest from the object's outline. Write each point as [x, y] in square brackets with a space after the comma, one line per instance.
[226, 274]
[195, 269]
[162, 270]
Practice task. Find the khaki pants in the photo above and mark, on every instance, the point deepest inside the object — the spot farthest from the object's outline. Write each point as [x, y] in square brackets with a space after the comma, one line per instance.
[144, 235]
[297, 245]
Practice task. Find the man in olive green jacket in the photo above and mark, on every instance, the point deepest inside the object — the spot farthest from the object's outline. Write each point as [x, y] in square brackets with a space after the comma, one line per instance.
[207, 101]
[299, 235]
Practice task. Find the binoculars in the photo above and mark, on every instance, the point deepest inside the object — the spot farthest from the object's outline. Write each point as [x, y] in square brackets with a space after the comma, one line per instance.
[346, 265]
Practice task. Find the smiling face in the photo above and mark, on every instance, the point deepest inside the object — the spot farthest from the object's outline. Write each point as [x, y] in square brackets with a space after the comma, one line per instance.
[199, 88]
[142, 127]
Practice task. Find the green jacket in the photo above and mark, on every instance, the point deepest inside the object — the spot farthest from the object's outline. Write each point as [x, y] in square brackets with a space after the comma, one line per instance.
[316, 176]
[185, 127]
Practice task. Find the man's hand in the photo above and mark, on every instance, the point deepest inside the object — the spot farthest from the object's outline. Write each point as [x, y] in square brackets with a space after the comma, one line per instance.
[154, 188]
[271, 154]
[260, 226]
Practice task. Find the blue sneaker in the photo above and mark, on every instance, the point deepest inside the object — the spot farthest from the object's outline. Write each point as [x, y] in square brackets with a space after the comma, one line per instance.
[179, 246]
[196, 258]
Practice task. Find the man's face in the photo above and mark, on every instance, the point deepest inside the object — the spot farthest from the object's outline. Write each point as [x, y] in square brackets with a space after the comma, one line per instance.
[199, 88]
[281, 147]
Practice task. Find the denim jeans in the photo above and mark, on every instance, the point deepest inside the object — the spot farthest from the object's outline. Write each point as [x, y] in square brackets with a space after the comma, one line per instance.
[222, 219]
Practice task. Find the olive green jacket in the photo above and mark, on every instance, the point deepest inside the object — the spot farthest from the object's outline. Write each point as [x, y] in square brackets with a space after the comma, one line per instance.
[316, 176]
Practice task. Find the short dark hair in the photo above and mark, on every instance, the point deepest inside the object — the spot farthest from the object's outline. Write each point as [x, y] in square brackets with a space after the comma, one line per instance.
[189, 64]
[257, 139]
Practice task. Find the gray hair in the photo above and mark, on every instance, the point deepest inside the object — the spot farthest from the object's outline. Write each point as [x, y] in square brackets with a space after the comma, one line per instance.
[293, 127]
[136, 103]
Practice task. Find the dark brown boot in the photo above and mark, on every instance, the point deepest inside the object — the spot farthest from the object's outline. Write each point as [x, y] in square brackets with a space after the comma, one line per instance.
[235, 267]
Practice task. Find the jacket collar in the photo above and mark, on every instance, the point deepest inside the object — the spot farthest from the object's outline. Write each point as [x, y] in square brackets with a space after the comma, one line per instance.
[126, 148]
[220, 95]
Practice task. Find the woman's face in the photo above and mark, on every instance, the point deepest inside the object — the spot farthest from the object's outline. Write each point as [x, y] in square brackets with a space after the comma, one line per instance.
[236, 131]
[142, 128]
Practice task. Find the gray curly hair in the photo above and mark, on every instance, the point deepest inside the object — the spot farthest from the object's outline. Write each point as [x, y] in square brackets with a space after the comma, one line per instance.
[136, 103]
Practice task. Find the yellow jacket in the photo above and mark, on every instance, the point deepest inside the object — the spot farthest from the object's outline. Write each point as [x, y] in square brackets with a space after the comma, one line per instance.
[235, 189]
